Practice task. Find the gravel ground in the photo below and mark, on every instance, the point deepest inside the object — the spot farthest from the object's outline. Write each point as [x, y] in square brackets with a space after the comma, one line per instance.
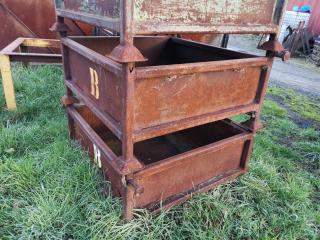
[297, 73]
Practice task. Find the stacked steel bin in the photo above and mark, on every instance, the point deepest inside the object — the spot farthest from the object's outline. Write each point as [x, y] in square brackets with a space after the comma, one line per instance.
[154, 111]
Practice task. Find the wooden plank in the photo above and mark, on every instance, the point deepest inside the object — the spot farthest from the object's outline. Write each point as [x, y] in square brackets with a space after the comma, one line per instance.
[12, 46]
[41, 43]
[7, 82]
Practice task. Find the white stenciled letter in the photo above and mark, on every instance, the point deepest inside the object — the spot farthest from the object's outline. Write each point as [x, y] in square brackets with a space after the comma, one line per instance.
[97, 155]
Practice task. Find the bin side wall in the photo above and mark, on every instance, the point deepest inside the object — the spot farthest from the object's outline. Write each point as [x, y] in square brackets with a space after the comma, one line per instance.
[94, 81]
[190, 172]
[172, 98]
[107, 169]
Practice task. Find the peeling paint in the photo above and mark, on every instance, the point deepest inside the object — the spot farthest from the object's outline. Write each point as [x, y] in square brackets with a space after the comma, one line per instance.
[205, 11]
[188, 16]
[171, 78]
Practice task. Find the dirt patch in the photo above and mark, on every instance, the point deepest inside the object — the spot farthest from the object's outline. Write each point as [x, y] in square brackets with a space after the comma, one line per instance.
[295, 117]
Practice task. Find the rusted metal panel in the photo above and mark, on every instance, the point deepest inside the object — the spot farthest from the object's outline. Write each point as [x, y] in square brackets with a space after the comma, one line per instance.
[109, 8]
[176, 16]
[103, 86]
[99, 13]
[32, 19]
[210, 92]
[99, 152]
[186, 172]
[203, 15]
[213, 39]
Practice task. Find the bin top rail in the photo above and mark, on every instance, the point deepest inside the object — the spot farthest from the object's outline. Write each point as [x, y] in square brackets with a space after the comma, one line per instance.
[177, 16]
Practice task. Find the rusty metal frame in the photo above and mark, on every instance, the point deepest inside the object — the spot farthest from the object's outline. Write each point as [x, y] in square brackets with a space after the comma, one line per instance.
[127, 166]
[126, 172]
[17, 51]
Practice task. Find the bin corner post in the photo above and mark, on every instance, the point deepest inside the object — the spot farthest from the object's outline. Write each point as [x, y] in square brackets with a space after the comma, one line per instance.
[62, 29]
[128, 203]
[128, 78]
[7, 82]
[126, 52]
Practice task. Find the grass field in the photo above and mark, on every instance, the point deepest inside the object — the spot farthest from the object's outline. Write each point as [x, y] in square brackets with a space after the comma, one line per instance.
[49, 190]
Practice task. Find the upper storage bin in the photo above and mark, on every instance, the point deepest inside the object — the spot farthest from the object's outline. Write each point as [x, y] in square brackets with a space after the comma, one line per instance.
[178, 16]
[183, 83]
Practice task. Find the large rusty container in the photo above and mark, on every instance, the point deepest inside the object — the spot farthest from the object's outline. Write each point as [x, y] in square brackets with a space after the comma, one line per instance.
[154, 111]
[165, 122]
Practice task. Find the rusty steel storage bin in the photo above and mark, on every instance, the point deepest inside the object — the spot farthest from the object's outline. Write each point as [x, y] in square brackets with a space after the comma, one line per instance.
[178, 164]
[163, 120]
[154, 111]
[183, 84]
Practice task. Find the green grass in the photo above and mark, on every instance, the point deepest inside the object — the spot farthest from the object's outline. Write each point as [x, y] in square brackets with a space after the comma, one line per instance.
[49, 190]
[298, 103]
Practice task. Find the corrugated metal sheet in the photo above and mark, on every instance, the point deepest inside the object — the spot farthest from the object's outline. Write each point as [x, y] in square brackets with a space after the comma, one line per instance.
[314, 24]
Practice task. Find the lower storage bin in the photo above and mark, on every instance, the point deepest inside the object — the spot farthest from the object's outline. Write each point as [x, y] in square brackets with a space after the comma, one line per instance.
[174, 165]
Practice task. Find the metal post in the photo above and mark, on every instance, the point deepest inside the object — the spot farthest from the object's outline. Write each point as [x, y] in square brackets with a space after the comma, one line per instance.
[126, 34]
[128, 205]
[128, 83]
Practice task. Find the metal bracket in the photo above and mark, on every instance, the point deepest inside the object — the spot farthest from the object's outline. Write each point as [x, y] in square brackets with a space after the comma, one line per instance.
[275, 49]
[126, 53]
[138, 189]
[68, 100]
